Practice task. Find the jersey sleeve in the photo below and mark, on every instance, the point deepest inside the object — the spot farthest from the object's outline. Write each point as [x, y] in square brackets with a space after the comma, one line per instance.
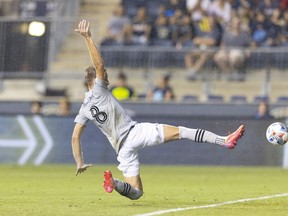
[80, 119]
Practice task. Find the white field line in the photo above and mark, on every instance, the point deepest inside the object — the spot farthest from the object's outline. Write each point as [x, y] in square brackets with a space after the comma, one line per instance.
[213, 205]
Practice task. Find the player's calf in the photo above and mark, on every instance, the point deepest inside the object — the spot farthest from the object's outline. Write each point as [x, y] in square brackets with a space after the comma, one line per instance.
[123, 188]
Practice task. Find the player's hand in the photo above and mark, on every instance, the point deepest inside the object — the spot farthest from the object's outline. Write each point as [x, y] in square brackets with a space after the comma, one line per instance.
[83, 28]
[82, 168]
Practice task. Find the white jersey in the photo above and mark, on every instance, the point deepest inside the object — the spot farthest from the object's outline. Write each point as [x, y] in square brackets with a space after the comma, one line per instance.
[108, 115]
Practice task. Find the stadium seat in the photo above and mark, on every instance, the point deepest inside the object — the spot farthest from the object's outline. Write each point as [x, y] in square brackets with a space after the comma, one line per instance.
[159, 42]
[215, 98]
[238, 99]
[258, 99]
[282, 99]
[141, 96]
[152, 8]
[190, 98]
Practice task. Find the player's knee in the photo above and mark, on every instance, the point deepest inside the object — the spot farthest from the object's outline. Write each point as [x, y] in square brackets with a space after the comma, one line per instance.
[136, 195]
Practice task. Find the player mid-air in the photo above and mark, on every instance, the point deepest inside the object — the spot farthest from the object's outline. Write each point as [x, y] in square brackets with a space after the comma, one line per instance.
[126, 136]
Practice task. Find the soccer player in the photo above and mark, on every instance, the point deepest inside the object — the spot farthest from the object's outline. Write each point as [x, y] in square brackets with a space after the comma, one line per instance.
[126, 136]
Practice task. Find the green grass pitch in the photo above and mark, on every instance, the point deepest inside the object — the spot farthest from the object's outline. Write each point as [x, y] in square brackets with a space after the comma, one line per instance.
[54, 190]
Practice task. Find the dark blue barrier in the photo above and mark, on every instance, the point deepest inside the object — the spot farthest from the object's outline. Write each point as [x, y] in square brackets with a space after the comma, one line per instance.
[15, 131]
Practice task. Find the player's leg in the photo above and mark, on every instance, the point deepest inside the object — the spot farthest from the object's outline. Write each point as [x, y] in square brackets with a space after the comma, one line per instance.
[199, 135]
[131, 187]
[135, 181]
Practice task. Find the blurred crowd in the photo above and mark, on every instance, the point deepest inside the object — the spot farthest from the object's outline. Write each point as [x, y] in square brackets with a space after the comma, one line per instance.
[27, 8]
[181, 22]
[200, 26]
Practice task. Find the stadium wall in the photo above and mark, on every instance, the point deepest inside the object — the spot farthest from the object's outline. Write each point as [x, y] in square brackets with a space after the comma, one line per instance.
[26, 139]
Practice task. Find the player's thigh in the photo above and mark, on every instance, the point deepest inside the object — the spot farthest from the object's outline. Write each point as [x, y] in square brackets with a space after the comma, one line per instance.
[134, 181]
[170, 133]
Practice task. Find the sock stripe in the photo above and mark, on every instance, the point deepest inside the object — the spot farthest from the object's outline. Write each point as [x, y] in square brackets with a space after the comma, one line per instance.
[199, 135]
[196, 136]
[202, 135]
[124, 188]
[127, 188]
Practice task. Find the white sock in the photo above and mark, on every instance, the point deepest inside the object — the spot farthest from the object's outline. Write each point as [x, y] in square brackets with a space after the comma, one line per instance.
[200, 135]
[125, 189]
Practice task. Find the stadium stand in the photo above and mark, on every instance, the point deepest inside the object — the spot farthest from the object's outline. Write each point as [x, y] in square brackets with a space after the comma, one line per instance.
[263, 69]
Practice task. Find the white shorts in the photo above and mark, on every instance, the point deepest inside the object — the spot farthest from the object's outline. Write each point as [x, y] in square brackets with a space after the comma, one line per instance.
[142, 135]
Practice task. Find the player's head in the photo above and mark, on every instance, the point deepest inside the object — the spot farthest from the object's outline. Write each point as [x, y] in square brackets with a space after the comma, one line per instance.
[90, 75]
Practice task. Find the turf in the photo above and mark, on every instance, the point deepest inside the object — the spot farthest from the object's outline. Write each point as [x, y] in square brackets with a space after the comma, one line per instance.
[54, 190]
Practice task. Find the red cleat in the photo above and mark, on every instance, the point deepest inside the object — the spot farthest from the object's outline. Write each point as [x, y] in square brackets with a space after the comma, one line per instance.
[231, 140]
[108, 183]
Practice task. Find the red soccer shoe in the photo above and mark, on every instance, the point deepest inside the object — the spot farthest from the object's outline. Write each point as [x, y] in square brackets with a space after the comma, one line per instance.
[108, 183]
[231, 140]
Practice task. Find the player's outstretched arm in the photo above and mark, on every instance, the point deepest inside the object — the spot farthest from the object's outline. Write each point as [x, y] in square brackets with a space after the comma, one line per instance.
[95, 55]
[77, 151]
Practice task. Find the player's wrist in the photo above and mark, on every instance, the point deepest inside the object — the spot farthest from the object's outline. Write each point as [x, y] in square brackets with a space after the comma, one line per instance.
[87, 35]
[80, 164]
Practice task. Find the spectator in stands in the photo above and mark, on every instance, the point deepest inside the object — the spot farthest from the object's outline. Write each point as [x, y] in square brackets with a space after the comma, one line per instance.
[231, 56]
[197, 8]
[121, 90]
[263, 111]
[161, 34]
[140, 28]
[9, 8]
[64, 107]
[243, 13]
[37, 8]
[276, 17]
[162, 91]
[267, 6]
[184, 32]
[161, 11]
[173, 27]
[117, 27]
[236, 4]
[207, 35]
[221, 9]
[36, 107]
[173, 6]
[284, 30]
[259, 27]
[284, 5]
[275, 28]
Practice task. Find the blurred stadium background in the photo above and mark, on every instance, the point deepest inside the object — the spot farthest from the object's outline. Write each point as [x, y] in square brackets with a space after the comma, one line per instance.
[42, 59]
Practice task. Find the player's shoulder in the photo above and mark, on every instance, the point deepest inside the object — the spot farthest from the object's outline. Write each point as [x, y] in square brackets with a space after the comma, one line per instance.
[100, 84]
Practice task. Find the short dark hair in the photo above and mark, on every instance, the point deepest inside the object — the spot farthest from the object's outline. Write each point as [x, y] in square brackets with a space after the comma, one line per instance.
[90, 74]
[122, 76]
